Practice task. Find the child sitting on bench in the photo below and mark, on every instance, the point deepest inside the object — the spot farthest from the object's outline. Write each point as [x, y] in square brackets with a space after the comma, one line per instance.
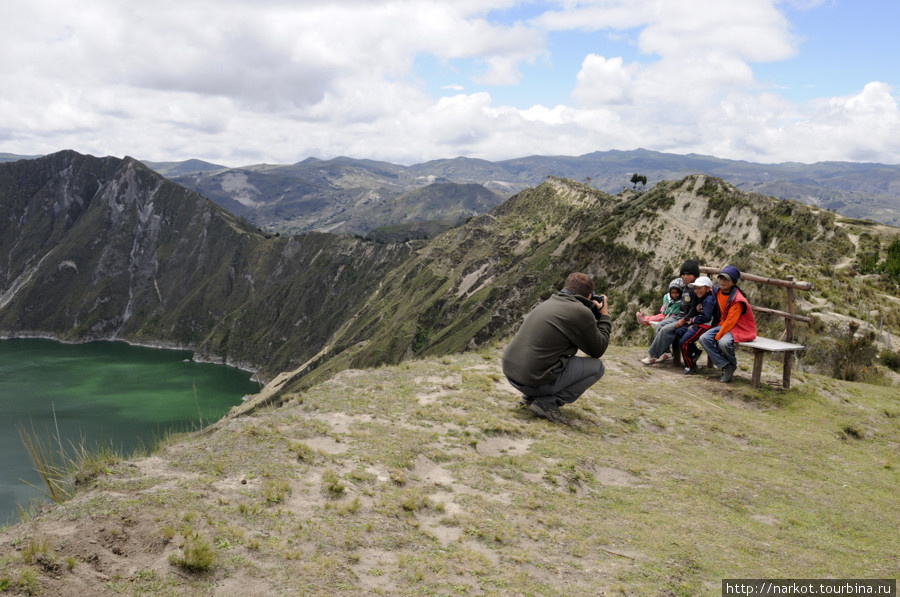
[698, 321]
[671, 304]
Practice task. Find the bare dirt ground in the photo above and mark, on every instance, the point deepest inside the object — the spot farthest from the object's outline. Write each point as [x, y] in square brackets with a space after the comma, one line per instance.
[427, 478]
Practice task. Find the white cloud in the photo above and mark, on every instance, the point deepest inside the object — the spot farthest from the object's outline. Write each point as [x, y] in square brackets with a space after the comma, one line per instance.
[866, 126]
[236, 81]
[603, 81]
[750, 29]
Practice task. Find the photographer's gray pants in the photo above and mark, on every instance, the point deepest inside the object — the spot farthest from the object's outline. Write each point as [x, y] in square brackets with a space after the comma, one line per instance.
[579, 374]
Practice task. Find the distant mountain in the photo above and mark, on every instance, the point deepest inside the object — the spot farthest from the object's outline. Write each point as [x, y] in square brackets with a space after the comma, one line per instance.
[11, 157]
[170, 169]
[358, 196]
[340, 195]
[859, 190]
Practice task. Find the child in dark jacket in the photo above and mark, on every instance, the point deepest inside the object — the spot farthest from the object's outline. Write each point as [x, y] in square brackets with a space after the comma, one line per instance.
[700, 318]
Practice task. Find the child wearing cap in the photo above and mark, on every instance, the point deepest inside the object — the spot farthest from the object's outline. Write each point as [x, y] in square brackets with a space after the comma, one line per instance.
[736, 323]
[671, 304]
[700, 318]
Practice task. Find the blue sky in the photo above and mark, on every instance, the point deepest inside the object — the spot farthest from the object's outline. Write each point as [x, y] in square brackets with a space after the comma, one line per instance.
[238, 82]
[843, 45]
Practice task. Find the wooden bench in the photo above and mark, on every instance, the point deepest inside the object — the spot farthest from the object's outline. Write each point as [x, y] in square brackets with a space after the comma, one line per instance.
[761, 345]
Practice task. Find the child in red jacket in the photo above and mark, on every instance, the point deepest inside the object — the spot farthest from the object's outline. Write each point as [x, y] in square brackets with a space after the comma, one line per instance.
[736, 323]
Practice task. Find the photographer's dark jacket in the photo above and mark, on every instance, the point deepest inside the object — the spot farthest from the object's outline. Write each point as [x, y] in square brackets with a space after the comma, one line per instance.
[554, 331]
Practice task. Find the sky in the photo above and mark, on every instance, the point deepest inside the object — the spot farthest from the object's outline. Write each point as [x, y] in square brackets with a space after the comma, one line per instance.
[240, 82]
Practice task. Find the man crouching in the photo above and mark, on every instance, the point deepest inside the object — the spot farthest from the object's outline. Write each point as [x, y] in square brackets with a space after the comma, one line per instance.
[540, 361]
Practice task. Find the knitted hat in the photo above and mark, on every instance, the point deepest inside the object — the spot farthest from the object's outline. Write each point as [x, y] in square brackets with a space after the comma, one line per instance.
[690, 267]
[731, 272]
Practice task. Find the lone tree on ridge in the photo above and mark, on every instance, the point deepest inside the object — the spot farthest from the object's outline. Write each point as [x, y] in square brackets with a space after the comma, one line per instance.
[638, 178]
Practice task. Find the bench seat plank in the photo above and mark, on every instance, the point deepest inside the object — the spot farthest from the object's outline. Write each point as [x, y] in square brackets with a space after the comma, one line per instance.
[769, 345]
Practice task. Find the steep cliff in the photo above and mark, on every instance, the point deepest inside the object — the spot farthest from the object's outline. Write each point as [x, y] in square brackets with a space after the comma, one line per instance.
[108, 249]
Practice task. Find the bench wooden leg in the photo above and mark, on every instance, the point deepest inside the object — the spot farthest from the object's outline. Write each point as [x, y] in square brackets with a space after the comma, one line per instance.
[786, 371]
[757, 368]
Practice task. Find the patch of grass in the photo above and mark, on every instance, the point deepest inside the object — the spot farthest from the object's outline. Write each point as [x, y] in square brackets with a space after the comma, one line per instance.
[35, 548]
[275, 490]
[62, 469]
[303, 452]
[27, 581]
[197, 555]
[332, 484]
[344, 508]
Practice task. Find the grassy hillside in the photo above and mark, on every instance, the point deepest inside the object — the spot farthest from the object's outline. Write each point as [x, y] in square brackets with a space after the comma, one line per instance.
[427, 479]
[471, 285]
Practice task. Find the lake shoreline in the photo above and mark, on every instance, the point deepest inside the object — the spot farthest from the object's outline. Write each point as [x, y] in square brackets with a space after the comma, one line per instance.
[99, 393]
[195, 357]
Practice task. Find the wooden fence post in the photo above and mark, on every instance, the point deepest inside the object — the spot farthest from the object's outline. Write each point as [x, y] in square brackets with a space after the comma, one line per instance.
[788, 337]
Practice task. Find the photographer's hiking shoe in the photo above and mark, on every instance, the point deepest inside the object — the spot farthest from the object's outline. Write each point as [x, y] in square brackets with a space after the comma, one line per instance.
[525, 401]
[727, 373]
[549, 412]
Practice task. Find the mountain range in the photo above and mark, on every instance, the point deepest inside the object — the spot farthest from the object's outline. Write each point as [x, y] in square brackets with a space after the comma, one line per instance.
[389, 201]
[106, 248]
[362, 196]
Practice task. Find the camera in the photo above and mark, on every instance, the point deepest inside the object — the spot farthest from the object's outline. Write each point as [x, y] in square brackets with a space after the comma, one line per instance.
[598, 298]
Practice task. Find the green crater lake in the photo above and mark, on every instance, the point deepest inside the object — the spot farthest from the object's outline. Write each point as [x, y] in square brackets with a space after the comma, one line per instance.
[101, 393]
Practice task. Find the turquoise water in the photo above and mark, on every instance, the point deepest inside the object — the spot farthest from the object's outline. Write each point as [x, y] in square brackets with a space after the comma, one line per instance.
[105, 393]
